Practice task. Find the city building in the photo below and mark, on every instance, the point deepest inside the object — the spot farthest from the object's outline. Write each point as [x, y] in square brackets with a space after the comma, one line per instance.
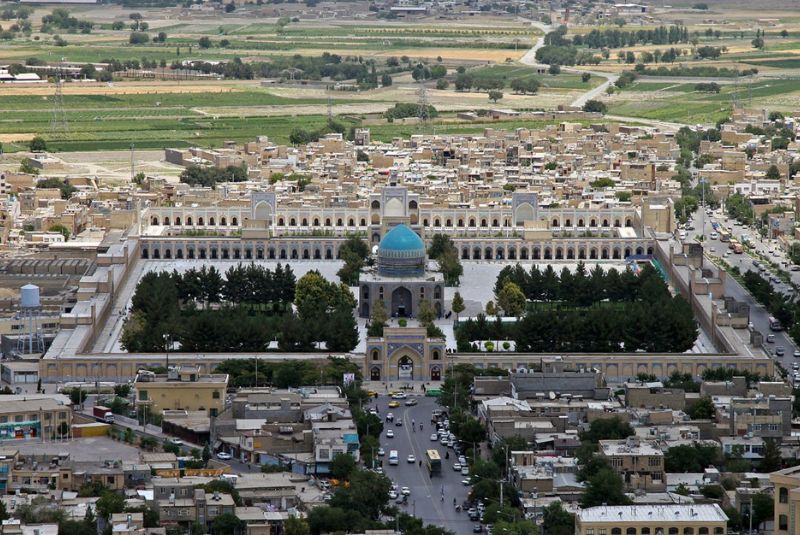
[182, 387]
[695, 519]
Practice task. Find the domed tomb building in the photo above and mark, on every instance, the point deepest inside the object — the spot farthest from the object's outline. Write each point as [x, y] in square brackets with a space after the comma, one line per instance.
[401, 279]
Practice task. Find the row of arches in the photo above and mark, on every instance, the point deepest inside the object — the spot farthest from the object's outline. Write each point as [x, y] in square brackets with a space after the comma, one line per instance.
[317, 222]
[552, 253]
[247, 253]
[593, 223]
[190, 222]
[668, 531]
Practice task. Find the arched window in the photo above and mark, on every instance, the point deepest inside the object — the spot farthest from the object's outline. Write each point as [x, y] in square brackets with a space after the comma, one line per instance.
[351, 222]
[555, 223]
[223, 221]
[304, 223]
[645, 531]
[327, 221]
[154, 221]
[374, 354]
[630, 531]
[363, 222]
[412, 205]
[616, 531]
[211, 222]
[425, 222]
[235, 222]
[568, 223]
[495, 223]
[783, 522]
[437, 222]
[189, 221]
[448, 223]
[375, 205]
[673, 531]
[339, 222]
[292, 222]
[316, 221]
[178, 221]
[460, 222]
[471, 221]
[580, 223]
[200, 222]
[280, 222]
[483, 223]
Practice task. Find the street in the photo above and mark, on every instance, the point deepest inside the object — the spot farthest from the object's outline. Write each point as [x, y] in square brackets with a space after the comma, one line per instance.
[758, 314]
[425, 501]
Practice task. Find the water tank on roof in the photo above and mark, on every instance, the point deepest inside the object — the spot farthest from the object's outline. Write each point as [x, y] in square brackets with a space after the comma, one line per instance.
[29, 296]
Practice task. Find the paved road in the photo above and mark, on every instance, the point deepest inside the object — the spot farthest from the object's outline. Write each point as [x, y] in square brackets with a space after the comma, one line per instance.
[425, 501]
[597, 91]
[758, 314]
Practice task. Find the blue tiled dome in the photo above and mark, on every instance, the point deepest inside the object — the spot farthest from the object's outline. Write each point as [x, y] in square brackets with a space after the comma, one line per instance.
[401, 253]
[402, 238]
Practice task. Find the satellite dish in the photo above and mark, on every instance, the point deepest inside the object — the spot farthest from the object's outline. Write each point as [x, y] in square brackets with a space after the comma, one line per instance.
[551, 395]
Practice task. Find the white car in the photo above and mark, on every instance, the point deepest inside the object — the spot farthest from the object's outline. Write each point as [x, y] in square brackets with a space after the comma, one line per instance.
[381, 452]
[411, 402]
[443, 441]
[465, 482]
[411, 459]
[176, 441]
[392, 494]
[434, 437]
[405, 491]
[457, 467]
[462, 459]
[399, 395]
[224, 456]
[389, 433]
[714, 235]
[464, 471]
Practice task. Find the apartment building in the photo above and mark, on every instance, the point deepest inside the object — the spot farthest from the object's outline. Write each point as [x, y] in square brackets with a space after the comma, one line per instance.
[640, 463]
[34, 416]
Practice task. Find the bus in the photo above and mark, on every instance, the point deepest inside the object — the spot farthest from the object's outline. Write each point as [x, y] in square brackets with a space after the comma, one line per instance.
[724, 235]
[774, 325]
[394, 458]
[433, 461]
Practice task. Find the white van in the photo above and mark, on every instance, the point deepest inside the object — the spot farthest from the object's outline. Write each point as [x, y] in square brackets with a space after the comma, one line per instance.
[393, 457]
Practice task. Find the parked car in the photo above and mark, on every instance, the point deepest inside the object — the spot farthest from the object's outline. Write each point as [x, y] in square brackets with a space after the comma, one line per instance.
[434, 437]
[224, 456]
[457, 467]
[780, 351]
[381, 452]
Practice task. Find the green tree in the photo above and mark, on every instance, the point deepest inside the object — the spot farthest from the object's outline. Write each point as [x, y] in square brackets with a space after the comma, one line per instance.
[38, 144]
[354, 251]
[771, 461]
[204, 42]
[604, 487]
[109, 503]
[511, 299]
[457, 305]
[64, 231]
[226, 524]
[557, 521]
[595, 106]
[607, 429]
[763, 509]
[342, 465]
[703, 409]
[295, 526]
[495, 95]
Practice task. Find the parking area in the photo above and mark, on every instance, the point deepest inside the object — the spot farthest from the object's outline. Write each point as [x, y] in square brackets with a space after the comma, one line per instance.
[82, 449]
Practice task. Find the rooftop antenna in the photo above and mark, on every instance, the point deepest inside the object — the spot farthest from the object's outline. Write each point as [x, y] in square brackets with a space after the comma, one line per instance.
[58, 123]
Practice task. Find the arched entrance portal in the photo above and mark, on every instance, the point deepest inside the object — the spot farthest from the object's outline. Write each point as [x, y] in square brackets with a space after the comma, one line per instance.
[405, 369]
[401, 303]
[375, 374]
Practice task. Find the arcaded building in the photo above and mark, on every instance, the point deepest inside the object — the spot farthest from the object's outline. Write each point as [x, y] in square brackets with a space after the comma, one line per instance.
[401, 280]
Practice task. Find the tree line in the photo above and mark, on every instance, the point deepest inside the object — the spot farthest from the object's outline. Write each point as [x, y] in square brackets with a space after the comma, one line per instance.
[585, 312]
[199, 311]
[614, 38]
[208, 176]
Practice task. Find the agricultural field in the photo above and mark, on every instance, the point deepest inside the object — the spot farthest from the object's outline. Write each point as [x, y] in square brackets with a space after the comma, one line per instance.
[681, 103]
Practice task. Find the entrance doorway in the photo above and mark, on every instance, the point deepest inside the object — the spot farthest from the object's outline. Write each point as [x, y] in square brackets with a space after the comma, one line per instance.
[375, 374]
[405, 369]
[401, 303]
